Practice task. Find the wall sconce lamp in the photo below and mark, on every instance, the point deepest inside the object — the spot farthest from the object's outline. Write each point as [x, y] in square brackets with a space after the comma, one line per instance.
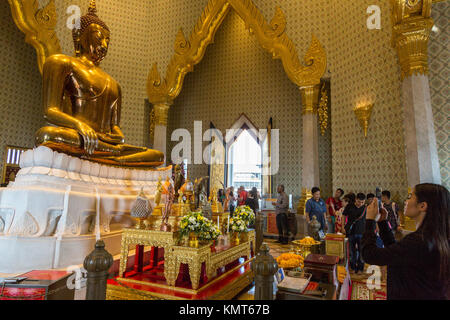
[363, 113]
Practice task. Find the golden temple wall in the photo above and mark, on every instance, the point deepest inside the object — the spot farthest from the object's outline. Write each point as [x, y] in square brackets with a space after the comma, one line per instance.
[364, 69]
[20, 87]
[440, 94]
[237, 75]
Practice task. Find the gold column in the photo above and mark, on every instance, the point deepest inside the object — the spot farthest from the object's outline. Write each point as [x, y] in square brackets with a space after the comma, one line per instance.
[310, 148]
[161, 113]
[412, 24]
[310, 98]
[158, 125]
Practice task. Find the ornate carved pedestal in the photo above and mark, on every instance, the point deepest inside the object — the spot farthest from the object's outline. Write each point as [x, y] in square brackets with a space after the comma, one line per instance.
[174, 256]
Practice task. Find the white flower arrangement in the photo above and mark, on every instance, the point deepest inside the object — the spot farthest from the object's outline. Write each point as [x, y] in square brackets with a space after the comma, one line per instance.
[237, 224]
[245, 213]
[195, 222]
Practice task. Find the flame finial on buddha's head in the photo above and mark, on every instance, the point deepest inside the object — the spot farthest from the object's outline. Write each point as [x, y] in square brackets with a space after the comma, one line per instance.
[88, 19]
[92, 8]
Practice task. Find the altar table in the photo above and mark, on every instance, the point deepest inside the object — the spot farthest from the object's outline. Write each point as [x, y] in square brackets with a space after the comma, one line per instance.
[175, 255]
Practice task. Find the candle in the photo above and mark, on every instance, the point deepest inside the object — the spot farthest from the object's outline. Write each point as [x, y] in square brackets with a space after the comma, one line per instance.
[228, 227]
[218, 226]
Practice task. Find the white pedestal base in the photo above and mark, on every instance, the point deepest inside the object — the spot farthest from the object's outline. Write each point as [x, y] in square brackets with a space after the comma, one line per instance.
[51, 216]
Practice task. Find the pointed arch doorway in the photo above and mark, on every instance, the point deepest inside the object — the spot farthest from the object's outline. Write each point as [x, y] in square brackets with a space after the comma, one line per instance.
[242, 158]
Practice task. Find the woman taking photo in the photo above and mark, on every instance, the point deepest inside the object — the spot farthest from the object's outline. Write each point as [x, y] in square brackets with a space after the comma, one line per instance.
[418, 265]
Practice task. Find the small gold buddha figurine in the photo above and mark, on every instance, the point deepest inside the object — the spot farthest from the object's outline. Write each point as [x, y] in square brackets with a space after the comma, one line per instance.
[83, 103]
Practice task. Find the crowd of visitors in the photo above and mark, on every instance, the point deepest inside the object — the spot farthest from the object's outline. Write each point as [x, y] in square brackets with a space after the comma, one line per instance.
[417, 264]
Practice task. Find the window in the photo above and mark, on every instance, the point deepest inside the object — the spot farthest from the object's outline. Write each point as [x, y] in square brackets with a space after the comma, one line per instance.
[11, 163]
[245, 162]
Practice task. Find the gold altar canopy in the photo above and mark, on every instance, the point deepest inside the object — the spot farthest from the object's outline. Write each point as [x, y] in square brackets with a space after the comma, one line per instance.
[271, 36]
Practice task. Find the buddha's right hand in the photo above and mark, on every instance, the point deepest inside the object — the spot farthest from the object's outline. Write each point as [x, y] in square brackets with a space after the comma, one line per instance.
[90, 138]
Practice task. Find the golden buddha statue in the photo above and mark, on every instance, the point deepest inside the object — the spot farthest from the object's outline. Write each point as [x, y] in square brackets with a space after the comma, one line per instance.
[83, 103]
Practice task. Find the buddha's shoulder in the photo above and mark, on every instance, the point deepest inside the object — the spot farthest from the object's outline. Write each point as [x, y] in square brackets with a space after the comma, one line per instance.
[62, 63]
[60, 59]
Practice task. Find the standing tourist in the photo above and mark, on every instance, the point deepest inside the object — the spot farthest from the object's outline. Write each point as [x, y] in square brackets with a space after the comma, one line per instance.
[221, 196]
[242, 194]
[391, 208]
[231, 200]
[253, 200]
[355, 211]
[333, 205]
[417, 265]
[369, 198]
[281, 210]
[316, 207]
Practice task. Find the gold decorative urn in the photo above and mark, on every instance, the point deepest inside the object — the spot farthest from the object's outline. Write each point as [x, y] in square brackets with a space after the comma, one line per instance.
[193, 240]
[236, 239]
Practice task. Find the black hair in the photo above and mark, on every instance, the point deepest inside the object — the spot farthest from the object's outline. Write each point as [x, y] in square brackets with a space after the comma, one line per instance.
[314, 190]
[350, 198]
[341, 191]
[282, 187]
[435, 225]
[386, 193]
[361, 196]
[370, 195]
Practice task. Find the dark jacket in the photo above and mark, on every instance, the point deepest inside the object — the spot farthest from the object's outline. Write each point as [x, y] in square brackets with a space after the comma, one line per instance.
[412, 263]
[353, 213]
[252, 203]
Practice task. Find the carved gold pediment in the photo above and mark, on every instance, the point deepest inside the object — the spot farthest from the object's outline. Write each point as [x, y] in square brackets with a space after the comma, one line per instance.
[38, 25]
[270, 35]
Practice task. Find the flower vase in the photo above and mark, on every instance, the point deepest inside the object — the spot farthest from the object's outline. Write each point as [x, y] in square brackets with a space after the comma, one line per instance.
[236, 238]
[193, 240]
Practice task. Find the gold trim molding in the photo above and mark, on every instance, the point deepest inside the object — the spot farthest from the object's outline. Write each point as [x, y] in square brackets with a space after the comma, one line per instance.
[158, 116]
[161, 111]
[322, 110]
[38, 25]
[412, 23]
[310, 98]
[270, 35]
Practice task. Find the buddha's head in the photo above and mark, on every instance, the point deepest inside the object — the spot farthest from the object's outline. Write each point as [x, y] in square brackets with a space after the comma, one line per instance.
[92, 38]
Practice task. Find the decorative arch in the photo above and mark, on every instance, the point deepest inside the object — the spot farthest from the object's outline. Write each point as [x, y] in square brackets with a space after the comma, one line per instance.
[243, 123]
[38, 25]
[271, 36]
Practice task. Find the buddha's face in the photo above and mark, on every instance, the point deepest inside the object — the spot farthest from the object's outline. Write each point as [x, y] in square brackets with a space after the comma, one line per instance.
[94, 42]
